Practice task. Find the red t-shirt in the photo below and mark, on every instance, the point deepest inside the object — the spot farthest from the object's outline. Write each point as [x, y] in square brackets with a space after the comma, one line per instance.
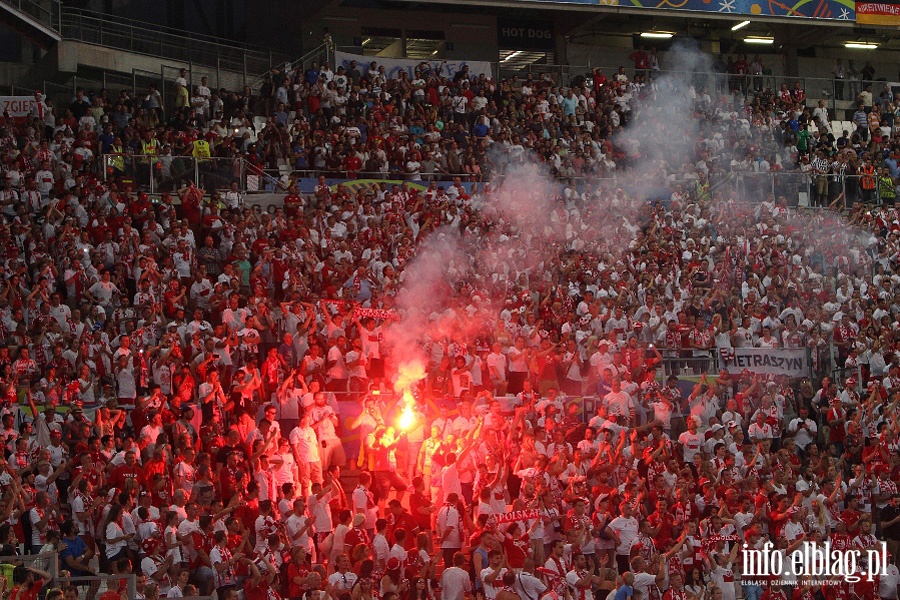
[31, 593]
[404, 521]
[296, 590]
[416, 502]
[356, 536]
[201, 542]
[121, 473]
[516, 550]
[258, 592]
[293, 203]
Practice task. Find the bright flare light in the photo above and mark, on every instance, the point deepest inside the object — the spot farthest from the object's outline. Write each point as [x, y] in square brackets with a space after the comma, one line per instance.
[408, 374]
[408, 416]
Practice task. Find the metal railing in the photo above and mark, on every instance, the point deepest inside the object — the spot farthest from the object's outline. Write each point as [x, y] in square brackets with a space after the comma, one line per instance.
[95, 585]
[689, 363]
[323, 53]
[45, 561]
[168, 173]
[157, 174]
[46, 12]
[805, 190]
[173, 44]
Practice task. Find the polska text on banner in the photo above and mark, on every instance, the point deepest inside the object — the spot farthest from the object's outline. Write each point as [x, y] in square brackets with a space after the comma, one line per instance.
[340, 303]
[362, 311]
[712, 540]
[518, 515]
[375, 313]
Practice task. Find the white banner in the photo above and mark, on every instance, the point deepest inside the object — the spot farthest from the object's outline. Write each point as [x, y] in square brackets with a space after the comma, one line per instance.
[518, 515]
[392, 66]
[19, 106]
[771, 361]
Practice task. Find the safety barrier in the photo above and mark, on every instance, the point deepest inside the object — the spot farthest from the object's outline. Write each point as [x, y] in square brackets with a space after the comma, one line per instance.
[168, 172]
[165, 42]
[47, 13]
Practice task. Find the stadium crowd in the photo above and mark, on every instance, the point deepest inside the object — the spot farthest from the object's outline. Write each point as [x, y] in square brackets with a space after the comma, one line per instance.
[174, 372]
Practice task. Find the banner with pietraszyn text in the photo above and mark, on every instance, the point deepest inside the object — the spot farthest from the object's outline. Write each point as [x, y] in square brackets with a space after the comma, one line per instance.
[793, 362]
[392, 66]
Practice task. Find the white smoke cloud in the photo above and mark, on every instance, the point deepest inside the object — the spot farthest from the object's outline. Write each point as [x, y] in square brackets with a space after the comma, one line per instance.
[663, 131]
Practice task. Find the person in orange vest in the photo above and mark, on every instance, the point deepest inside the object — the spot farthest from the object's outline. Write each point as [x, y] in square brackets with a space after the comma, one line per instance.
[866, 180]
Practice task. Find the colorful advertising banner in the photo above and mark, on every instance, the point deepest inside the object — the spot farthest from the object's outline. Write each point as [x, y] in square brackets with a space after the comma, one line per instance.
[810, 9]
[878, 13]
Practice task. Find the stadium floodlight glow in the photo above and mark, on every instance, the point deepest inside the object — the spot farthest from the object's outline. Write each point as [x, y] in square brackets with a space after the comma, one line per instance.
[513, 55]
[861, 45]
[740, 25]
[660, 35]
[759, 40]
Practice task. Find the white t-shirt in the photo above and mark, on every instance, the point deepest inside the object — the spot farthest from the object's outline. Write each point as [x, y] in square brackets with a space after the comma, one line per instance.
[643, 582]
[490, 590]
[691, 444]
[517, 360]
[627, 529]
[361, 505]
[305, 443]
[226, 577]
[381, 549]
[497, 362]
[320, 512]
[576, 592]
[185, 529]
[113, 548]
[293, 524]
[448, 516]
[528, 586]
[724, 578]
[78, 506]
[342, 581]
[455, 583]
[103, 292]
[887, 584]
